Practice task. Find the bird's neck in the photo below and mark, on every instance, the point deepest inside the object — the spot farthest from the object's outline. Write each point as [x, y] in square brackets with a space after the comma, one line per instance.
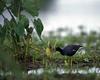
[61, 51]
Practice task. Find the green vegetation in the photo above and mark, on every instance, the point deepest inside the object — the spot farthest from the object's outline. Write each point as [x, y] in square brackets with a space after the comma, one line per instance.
[21, 50]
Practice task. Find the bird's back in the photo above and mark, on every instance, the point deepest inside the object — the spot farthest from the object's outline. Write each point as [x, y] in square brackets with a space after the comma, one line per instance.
[70, 50]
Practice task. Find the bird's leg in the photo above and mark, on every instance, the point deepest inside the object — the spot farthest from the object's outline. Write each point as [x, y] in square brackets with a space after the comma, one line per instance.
[77, 67]
[71, 62]
[65, 61]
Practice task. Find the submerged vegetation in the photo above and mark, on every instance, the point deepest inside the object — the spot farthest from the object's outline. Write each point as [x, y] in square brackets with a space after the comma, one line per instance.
[21, 50]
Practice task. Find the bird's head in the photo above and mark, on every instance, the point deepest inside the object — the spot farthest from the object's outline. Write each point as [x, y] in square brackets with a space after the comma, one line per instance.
[80, 46]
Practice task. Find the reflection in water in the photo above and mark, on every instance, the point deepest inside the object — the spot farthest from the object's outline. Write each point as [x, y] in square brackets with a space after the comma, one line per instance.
[64, 74]
[63, 71]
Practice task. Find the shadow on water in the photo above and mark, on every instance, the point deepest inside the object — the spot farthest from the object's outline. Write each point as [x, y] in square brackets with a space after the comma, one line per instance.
[65, 74]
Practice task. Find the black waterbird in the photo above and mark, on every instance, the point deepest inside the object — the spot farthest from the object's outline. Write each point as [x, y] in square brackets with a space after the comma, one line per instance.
[68, 50]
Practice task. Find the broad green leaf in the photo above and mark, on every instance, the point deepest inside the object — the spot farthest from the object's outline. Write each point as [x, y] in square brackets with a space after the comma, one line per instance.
[16, 7]
[19, 29]
[38, 27]
[0, 26]
[31, 6]
[4, 30]
[2, 5]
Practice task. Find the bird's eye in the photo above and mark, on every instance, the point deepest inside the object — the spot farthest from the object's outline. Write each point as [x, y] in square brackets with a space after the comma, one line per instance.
[74, 50]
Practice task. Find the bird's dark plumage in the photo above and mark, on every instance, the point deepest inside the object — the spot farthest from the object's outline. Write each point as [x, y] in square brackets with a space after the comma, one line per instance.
[69, 50]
